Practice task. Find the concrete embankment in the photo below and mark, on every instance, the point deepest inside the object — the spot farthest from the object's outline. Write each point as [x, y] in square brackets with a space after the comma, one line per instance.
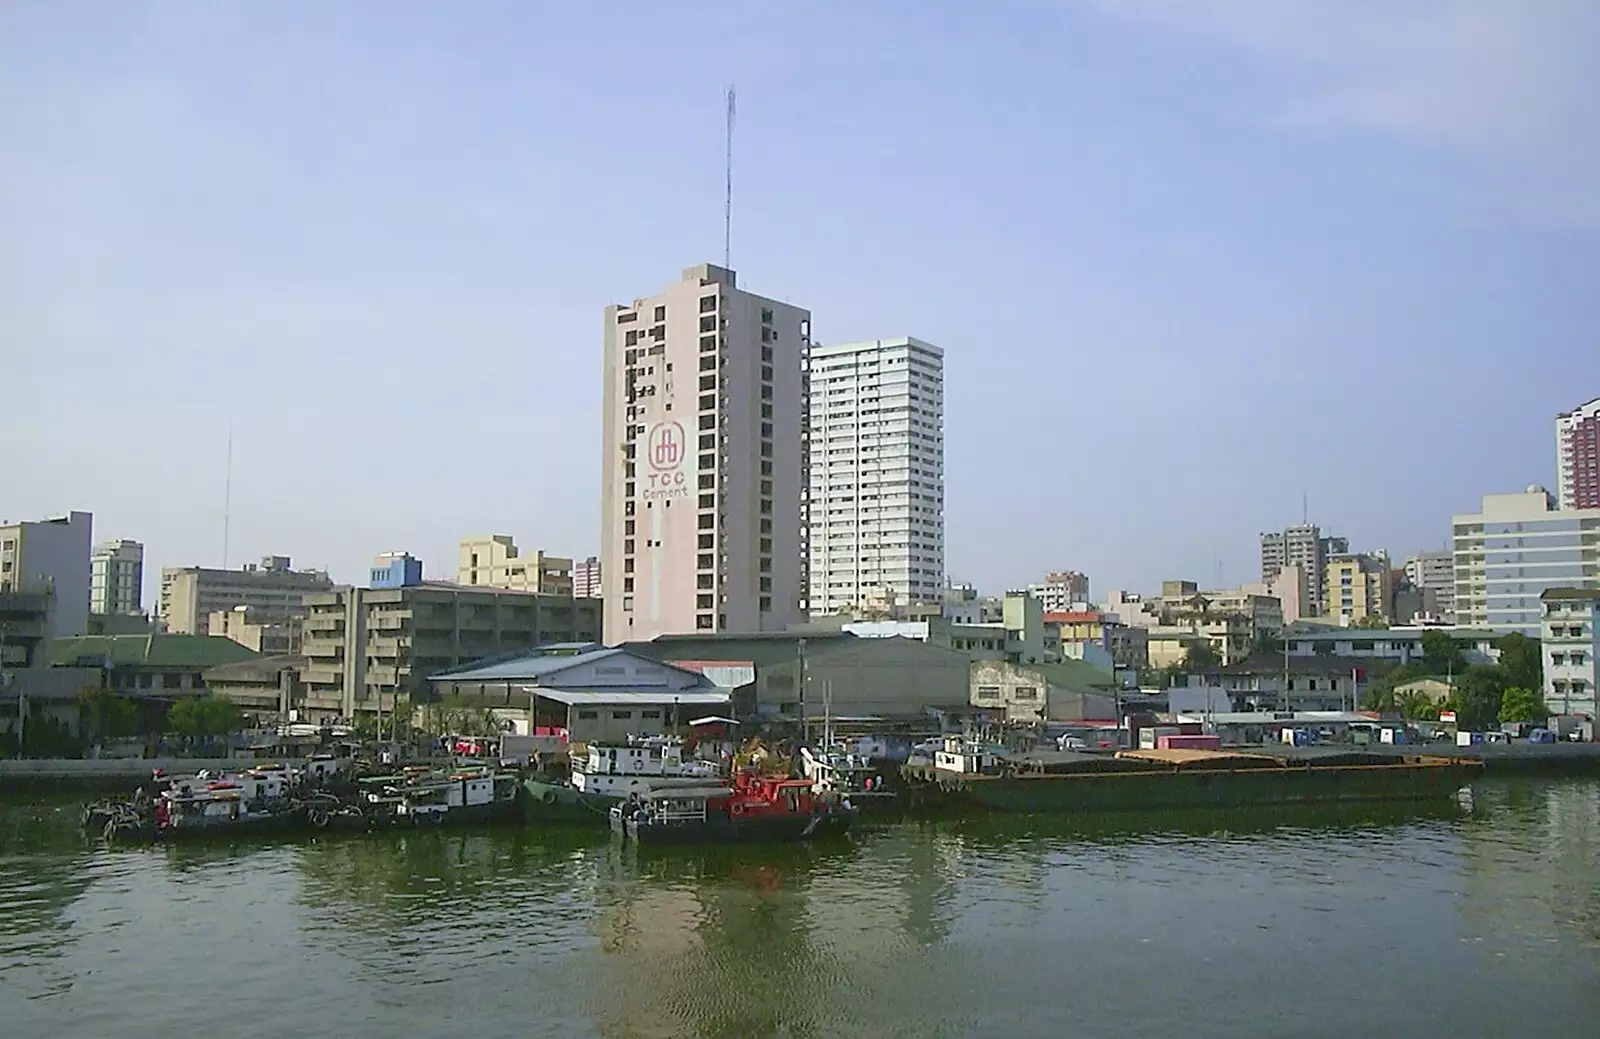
[1512, 759]
[97, 774]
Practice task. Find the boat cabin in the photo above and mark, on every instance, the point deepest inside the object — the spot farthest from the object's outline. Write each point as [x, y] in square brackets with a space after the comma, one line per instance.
[967, 757]
[618, 770]
[461, 790]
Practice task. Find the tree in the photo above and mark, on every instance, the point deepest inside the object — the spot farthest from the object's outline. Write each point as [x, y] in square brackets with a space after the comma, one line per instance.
[1200, 658]
[1371, 620]
[1266, 643]
[106, 715]
[1416, 705]
[1521, 704]
[1440, 653]
[1477, 695]
[205, 716]
[1521, 660]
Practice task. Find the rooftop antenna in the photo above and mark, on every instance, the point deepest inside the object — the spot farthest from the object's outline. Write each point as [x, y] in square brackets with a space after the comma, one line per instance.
[1305, 508]
[727, 204]
[227, 497]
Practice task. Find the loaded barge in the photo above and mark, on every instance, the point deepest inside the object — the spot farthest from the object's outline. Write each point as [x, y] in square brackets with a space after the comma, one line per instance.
[969, 773]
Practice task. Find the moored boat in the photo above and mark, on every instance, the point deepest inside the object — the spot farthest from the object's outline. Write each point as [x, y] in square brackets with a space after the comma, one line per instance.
[839, 774]
[454, 797]
[756, 808]
[257, 800]
[604, 775]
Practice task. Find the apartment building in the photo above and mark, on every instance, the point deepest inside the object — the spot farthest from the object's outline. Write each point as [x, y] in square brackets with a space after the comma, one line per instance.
[1290, 586]
[493, 561]
[51, 557]
[266, 634]
[190, 595]
[586, 578]
[704, 459]
[1305, 546]
[367, 648]
[875, 491]
[1358, 586]
[1570, 641]
[1578, 457]
[1516, 547]
[116, 578]
[1434, 575]
[1061, 590]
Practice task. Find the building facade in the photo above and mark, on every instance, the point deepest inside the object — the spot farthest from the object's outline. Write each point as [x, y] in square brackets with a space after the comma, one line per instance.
[268, 635]
[1358, 586]
[1578, 457]
[704, 456]
[875, 494]
[492, 561]
[116, 578]
[1514, 549]
[190, 595]
[1061, 591]
[1434, 574]
[1570, 640]
[1305, 546]
[51, 556]
[586, 578]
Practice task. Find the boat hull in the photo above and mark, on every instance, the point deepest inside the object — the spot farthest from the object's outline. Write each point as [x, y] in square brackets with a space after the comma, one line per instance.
[145, 828]
[746, 830]
[561, 803]
[501, 811]
[1180, 789]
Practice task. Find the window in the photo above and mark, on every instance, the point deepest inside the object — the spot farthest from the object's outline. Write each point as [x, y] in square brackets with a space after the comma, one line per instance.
[708, 461]
[627, 548]
[706, 541]
[621, 716]
[625, 316]
[766, 335]
[766, 354]
[766, 506]
[708, 382]
[766, 411]
[708, 521]
[765, 606]
[708, 363]
[708, 323]
[708, 501]
[627, 526]
[708, 304]
[705, 602]
[707, 481]
[1025, 692]
[766, 315]
[766, 373]
[766, 546]
[631, 339]
[708, 344]
[766, 430]
[706, 561]
[988, 692]
[627, 489]
[708, 402]
[705, 581]
[661, 314]
[588, 716]
[627, 565]
[766, 526]
[649, 715]
[702, 621]
[708, 421]
[766, 467]
[766, 391]
[766, 449]
[766, 565]
[766, 584]
[708, 442]
[658, 333]
[627, 584]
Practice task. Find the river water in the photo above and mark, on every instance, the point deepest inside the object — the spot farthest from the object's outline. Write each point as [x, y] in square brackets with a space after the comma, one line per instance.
[1475, 920]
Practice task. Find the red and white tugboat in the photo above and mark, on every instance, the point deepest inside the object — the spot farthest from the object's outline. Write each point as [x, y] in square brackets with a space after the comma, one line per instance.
[755, 808]
[257, 800]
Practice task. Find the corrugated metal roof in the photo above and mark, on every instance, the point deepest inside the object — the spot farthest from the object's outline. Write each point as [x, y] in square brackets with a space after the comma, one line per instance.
[527, 667]
[633, 697]
[157, 649]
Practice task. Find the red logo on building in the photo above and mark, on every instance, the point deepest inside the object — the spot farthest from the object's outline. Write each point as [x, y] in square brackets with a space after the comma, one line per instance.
[666, 446]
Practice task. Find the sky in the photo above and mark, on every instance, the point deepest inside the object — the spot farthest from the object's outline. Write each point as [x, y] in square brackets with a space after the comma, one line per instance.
[1196, 265]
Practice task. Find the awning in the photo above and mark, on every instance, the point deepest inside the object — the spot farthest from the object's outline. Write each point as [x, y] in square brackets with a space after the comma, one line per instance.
[712, 719]
[633, 697]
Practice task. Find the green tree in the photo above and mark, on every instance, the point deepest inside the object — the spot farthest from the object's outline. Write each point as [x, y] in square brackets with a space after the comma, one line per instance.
[205, 716]
[1200, 658]
[1521, 660]
[106, 715]
[1371, 620]
[1441, 654]
[1266, 643]
[1477, 695]
[1521, 704]
[1416, 705]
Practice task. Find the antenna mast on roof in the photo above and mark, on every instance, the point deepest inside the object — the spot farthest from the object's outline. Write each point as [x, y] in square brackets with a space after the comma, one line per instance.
[727, 203]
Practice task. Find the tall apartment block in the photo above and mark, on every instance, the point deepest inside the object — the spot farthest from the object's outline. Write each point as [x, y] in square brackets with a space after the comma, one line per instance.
[1358, 586]
[116, 578]
[1578, 457]
[1302, 545]
[493, 561]
[1060, 590]
[704, 460]
[1516, 547]
[275, 591]
[875, 494]
[1434, 574]
[51, 557]
[586, 578]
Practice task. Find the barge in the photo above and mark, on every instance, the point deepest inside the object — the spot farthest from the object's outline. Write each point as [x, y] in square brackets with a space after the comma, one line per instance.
[971, 774]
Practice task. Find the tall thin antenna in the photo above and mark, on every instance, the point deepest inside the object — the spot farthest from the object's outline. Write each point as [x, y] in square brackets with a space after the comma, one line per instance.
[227, 497]
[1305, 507]
[727, 204]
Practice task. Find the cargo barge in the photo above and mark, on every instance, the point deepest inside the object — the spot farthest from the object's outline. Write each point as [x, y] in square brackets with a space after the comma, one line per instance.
[971, 774]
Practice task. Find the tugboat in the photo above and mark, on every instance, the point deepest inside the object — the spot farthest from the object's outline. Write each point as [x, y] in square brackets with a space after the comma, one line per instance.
[462, 797]
[607, 774]
[258, 800]
[755, 808]
[838, 774]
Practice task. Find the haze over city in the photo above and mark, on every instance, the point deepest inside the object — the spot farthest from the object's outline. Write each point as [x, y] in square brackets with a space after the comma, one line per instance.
[1191, 266]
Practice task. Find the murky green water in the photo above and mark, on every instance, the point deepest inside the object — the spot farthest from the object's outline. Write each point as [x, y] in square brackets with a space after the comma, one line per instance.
[1480, 922]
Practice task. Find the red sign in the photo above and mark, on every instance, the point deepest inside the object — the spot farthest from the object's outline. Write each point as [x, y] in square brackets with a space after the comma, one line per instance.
[1449, 717]
[666, 446]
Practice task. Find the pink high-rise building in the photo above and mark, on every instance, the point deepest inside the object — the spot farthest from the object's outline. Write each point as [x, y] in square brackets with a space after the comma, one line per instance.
[704, 461]
[1578, 456]
[586, 578]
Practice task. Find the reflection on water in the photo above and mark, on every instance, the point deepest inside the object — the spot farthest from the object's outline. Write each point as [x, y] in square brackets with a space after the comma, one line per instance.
[1284, 923]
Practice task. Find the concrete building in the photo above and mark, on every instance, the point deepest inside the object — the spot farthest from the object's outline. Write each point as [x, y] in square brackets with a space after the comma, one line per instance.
[586, 578]
[158, 666]
[366, 648]
[1434, 575]
[1514, 549]
[1061, 591]
[875, 494]
[704, 457]
[1305, 546]
[1357, 586]
[1030, 694]
[116, 578]
[190, 595]
[1569, 637]
[1578, 457]
[492, 561]
[1398, 645]
[51, 556]
[1290, 587]
[265, 633]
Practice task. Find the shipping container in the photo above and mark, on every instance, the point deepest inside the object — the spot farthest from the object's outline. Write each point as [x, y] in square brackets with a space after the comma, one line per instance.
[1185, 741]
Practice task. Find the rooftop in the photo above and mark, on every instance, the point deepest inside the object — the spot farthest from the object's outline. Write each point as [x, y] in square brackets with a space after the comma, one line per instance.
[152, 650]
[1579, 594]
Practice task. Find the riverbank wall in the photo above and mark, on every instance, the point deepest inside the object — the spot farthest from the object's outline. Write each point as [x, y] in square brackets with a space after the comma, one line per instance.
[108, 774]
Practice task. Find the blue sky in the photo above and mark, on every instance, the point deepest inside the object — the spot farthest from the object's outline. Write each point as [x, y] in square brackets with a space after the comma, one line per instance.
[1188, 261]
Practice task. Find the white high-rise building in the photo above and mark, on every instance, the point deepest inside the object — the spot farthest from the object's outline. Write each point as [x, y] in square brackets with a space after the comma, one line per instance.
[116, 578]
[875, 495]
[1514, 549]
[704, 459]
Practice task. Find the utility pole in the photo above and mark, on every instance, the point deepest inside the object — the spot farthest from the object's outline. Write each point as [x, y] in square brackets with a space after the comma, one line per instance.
[805, 724]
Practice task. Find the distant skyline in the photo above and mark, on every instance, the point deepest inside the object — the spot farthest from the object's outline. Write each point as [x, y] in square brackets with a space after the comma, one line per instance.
[1187, 261]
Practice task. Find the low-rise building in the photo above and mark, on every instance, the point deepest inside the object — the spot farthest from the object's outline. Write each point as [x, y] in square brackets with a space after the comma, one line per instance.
[1400, 645]
[159, 666]
[273, 588]
[1570, 641]
[265, 633]
[1027, 694]
[1061, 591]
[266, 686]
[1317, 683]
[493, 561]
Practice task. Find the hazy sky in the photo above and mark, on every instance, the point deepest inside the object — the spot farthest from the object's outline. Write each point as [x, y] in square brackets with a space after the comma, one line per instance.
[1188, 260]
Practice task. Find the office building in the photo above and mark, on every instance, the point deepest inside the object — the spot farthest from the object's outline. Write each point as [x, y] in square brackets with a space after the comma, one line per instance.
[493, 561]
[1061, 591]
[116, 578]
[1358, 586]
[1578, 457]
[1434, 575]
[704, 458]
[586, 578]
[875, 494]
[1302, 545]
[51, 557]
[264, 633]
[190, 595]
[1513, 550]
[1570, 639]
